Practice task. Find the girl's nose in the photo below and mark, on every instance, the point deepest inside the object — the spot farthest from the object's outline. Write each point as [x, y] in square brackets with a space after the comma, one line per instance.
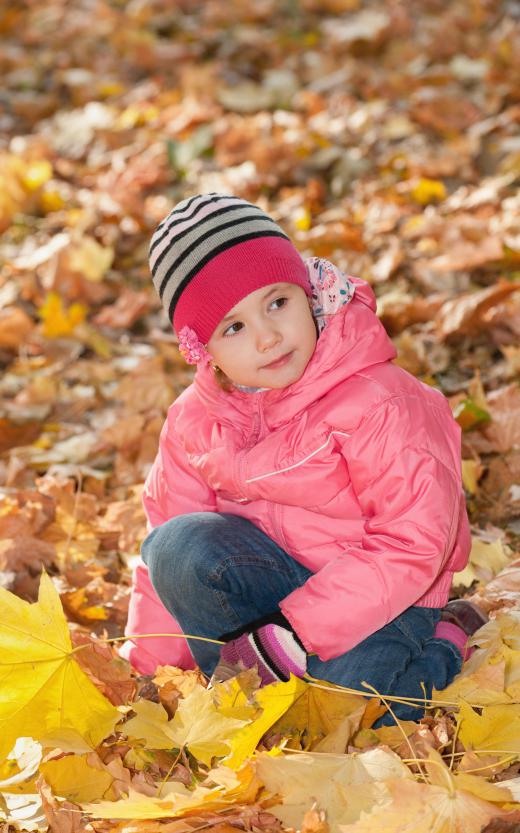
[267, 338]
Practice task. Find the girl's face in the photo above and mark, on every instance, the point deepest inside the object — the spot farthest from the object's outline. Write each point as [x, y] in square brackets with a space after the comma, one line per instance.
[267, 339]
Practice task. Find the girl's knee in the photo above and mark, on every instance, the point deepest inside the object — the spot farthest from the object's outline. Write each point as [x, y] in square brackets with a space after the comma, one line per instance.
[174, 545]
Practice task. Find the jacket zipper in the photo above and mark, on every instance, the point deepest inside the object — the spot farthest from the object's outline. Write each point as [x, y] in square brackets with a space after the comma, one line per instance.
[255, 433]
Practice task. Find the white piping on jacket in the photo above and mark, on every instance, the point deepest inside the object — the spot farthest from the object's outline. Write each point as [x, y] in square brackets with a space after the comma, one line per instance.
[300, 462]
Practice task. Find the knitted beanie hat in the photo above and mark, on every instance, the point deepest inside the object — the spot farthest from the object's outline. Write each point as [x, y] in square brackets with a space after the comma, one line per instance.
[210, 252]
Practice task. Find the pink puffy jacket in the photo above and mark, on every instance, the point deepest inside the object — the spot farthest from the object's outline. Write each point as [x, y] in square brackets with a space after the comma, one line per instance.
[354, 470]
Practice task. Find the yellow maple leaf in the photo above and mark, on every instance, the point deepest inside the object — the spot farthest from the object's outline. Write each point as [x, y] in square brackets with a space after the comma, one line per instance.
[36, 174]
[77, 778]
[480, 683]
[44, 694]
[90, 258]
[274, 700]
[471, 473]
[150, 724]
[233, 697]
[492, 674]
[57, 321]
[317, 713]
[496, 729]
[423, 808]
[485, 561]
[428, 190]
[343, 785]
[196, 725]
[175, 799]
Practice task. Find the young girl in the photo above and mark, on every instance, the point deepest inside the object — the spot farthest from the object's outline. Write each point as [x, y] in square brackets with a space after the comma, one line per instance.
[305, 504]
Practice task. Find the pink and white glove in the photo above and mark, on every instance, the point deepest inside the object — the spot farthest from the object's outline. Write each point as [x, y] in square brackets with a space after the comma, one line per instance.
[271, 645]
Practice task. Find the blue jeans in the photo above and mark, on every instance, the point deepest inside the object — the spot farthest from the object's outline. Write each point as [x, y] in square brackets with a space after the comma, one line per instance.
[217, 572]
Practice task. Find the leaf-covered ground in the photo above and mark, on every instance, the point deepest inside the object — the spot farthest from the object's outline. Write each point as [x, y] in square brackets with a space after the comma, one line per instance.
[384, 136]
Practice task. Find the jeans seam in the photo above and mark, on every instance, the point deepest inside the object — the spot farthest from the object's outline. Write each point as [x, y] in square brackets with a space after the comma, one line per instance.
[247, 561]
[227, 610]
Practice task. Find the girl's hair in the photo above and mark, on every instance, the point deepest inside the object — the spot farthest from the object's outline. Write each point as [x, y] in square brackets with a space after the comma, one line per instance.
[222, 380]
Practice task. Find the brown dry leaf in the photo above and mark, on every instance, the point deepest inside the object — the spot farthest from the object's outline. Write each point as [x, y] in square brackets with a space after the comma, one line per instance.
[14, 434]
[97, 601]
[73, 504]
[151, 384]
[125, 432]
[109, 673]
[463, 315]
[390, 260]
[324, 239]
[399, 310]
[503, 591]
[25, 551]
[124, 522]
[504, 429]
[317, 713]
[62, 816]
[445, 114]
[129, 308]
[15, 328]
[184, 681]
[464, 254]
[315, 821]
[20, 522]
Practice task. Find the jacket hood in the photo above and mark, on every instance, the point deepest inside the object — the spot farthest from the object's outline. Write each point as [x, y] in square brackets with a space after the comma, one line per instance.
[352, 340]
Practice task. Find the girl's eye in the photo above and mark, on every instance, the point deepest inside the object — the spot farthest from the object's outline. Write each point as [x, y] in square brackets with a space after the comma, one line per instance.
[230, 330]
[284, 300]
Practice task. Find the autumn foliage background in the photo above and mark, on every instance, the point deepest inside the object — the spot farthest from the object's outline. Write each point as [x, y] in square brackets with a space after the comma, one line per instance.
[383, 136]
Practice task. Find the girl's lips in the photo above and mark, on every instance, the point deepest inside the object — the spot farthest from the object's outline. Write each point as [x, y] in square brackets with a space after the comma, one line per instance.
[279, 362]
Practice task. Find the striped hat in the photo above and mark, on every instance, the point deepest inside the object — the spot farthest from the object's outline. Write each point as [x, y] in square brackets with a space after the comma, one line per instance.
[210, 252]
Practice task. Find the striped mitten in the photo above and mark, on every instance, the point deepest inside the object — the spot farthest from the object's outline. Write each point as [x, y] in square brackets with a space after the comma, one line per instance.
[273, 647]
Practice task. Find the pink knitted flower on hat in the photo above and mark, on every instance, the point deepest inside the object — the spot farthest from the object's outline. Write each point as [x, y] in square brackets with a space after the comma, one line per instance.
[191, 348]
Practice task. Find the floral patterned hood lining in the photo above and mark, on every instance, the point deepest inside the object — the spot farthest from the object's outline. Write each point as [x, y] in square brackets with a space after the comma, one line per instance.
[331, 289]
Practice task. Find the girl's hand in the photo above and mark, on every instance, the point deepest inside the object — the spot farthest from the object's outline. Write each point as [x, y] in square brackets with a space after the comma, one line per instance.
[270, 645]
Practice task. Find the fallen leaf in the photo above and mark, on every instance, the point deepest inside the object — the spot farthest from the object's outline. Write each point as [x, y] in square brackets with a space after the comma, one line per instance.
[129, 307]
[274, 700]
[472, 471]
[196, 725]
[426, 191]
[486, 559]
[421, 808]
[504, 407]
[463, 315]
[110, 674]
[89, 258]
[43, 690]
[58, 321]
[175, 799]
[317, 713]
[74, 778]
[495, 729]
[62, 816]
[343, 785]
[15, 328]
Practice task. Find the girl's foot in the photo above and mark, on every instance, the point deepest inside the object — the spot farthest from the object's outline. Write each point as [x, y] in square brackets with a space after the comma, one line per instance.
[459, 620]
